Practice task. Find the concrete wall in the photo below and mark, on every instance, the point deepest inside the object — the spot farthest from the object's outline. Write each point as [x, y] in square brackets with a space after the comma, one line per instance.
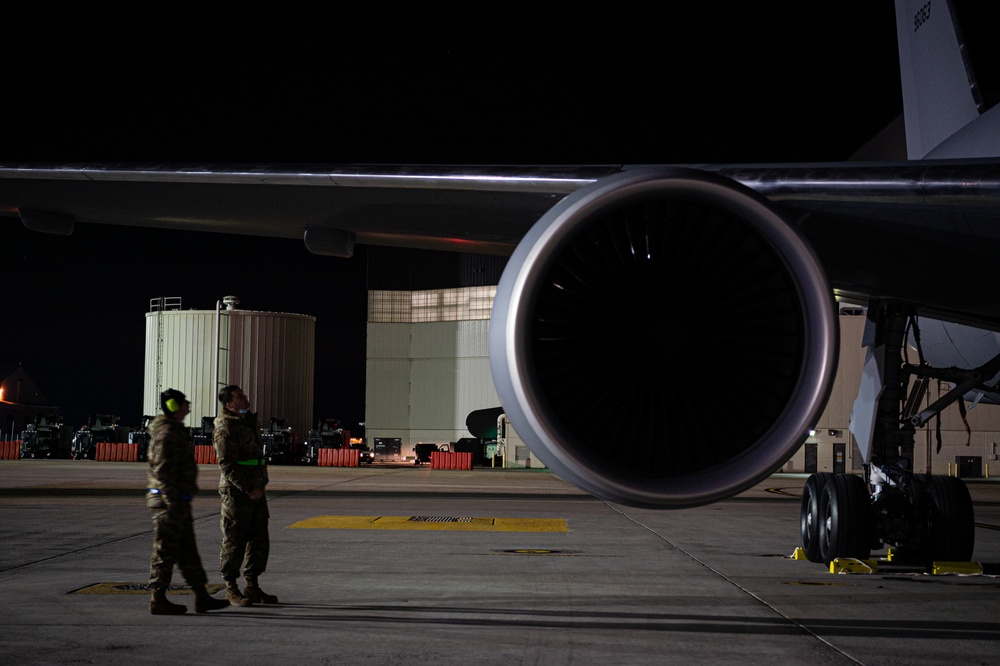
[423, 380]
[425, 375]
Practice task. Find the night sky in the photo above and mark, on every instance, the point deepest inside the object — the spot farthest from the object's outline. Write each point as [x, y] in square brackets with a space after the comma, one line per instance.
[760, 82]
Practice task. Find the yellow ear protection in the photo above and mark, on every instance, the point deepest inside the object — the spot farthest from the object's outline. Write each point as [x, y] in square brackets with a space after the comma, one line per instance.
[172, 401]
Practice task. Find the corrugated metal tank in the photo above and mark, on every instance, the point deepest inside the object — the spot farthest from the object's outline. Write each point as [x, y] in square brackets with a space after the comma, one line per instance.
[270, 355]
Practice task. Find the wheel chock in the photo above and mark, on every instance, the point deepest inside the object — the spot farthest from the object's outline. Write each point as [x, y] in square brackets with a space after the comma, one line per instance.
[956, 568]
[853, 565]
[799, 554]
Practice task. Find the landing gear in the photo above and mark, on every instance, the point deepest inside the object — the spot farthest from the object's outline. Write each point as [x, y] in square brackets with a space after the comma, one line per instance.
[923, 518]
[809, 515]
[846, 519]
[836, 517]
[951, 529]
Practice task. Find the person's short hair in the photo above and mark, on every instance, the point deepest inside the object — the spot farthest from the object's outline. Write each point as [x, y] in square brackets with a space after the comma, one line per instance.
[226, 393]
[171, 401]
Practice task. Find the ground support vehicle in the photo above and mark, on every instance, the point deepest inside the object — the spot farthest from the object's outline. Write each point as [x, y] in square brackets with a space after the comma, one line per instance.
[281, 445]
[141, 437]
[922, 518]
[365, 455]
[99, 428]
[327, 435]
[422, 452]
[202, 435]
[46, 438]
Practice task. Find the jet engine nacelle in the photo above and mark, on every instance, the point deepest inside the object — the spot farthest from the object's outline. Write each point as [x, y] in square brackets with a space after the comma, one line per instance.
[663, 338]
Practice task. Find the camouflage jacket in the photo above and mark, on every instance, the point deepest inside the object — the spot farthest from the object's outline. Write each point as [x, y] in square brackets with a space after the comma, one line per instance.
[240, 453]
[172, 467]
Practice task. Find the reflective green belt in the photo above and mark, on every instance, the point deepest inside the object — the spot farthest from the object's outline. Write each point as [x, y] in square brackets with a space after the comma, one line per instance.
[253, 462]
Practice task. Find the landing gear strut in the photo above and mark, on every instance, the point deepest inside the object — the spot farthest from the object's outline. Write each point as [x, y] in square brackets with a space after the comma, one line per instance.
[924, 518]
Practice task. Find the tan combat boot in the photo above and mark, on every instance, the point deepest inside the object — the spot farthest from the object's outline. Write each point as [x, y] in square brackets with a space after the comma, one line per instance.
[204, 602]
[160, 605]
[253, 592]
[234, 596]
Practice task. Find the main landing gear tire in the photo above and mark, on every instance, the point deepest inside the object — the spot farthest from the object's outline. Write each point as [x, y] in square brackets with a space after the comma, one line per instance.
[951, 520]
[809, 516]
[846, 519]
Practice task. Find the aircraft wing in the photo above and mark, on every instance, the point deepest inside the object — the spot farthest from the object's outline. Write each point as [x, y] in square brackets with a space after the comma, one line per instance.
[852, 214]
[466, 209]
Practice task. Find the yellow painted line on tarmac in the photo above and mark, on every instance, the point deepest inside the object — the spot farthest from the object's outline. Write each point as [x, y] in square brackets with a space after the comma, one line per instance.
[440, 523]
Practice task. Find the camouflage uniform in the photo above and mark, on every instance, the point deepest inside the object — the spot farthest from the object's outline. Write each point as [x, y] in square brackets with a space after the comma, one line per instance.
[173, 483]
[244, 521]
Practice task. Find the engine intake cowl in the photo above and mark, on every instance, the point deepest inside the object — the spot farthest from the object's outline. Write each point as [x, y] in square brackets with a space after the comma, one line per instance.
[663, 338]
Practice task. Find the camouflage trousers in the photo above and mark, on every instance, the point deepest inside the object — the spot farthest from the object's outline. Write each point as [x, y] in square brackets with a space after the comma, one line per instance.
[174, 543]
[244, 536]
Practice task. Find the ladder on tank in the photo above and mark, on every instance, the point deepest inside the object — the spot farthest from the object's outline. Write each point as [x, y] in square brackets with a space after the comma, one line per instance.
[159, 305]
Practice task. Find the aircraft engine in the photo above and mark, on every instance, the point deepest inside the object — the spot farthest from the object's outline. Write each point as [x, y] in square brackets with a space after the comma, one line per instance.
[663, 338]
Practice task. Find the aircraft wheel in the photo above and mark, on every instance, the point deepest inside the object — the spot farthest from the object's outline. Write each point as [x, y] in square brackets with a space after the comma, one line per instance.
[951, 520]
[809, 516]
[846, 519]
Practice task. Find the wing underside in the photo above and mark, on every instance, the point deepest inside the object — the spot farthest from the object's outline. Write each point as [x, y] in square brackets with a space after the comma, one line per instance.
[886, 230]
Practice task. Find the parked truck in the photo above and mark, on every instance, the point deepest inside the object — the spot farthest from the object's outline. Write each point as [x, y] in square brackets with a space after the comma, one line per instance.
[47, 437]
[99, 428]
[281, 444]
[327, 435]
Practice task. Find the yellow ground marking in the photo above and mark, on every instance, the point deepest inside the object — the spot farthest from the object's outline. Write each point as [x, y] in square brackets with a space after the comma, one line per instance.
[448, 523]
[957, 568]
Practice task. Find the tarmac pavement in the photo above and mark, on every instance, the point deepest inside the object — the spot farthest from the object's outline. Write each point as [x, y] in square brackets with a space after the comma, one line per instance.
[404, 565]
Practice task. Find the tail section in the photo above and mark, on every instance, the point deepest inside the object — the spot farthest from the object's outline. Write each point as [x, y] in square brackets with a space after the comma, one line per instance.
[942, 105]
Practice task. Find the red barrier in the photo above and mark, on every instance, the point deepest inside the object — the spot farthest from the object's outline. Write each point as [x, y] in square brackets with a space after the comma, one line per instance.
[338, 457]
[10, 449]
[116, 452]
[451, 460]
[204, 454]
